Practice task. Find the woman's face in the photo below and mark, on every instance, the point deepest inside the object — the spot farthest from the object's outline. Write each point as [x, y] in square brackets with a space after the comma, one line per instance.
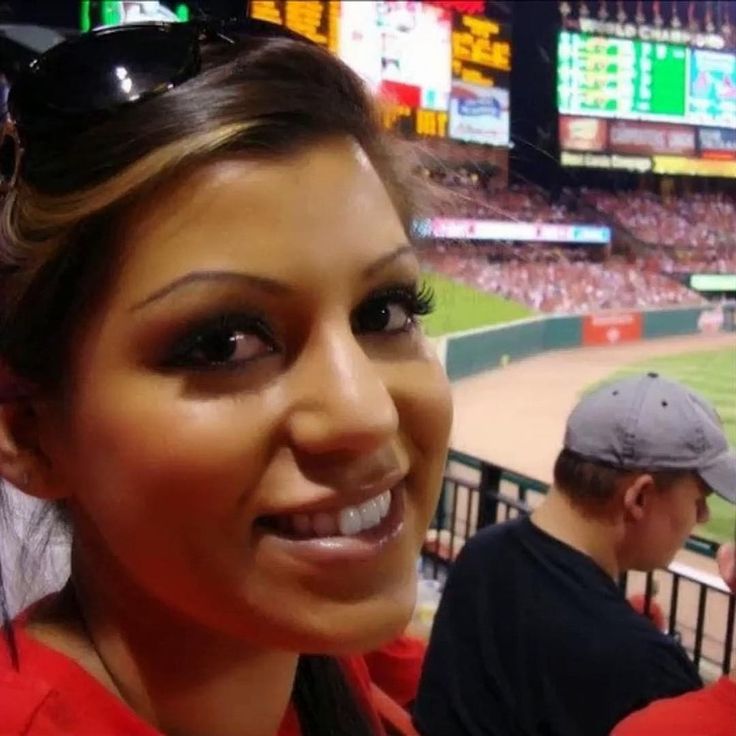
[257, 427]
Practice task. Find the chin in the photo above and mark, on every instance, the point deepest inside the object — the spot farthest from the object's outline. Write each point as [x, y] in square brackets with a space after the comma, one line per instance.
[352, 628]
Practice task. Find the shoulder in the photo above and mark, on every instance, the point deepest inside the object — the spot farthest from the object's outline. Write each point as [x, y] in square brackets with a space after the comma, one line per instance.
[49, 694]
[487, 543]
[668, 662]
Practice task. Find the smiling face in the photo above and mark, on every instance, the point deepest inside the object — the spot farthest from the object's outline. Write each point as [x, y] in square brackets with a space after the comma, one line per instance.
[256, 428]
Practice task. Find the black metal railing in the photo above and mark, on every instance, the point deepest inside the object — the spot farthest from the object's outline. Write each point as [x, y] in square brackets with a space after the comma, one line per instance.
[696, 607]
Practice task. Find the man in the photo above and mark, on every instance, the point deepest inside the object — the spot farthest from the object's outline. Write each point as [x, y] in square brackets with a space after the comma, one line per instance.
[709, 712]
[533, 635]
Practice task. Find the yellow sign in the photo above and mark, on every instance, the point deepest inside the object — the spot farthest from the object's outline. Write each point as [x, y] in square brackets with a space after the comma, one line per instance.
[693, 166]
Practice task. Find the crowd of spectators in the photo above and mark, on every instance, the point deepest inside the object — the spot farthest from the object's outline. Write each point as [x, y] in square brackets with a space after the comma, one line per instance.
[698, 229]
[470, 194]
[558, 280]
[672, 236]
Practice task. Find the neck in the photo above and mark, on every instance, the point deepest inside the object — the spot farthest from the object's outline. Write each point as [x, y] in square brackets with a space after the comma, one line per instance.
[183, 679]
[593, 535]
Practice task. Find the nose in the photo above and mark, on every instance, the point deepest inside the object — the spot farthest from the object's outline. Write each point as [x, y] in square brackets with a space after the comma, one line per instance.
[342, 402]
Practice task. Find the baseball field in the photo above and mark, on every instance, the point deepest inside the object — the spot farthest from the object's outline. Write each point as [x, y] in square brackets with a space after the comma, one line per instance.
[460, 307]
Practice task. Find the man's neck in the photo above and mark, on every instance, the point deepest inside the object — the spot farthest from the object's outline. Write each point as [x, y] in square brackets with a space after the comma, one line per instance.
[590, 534]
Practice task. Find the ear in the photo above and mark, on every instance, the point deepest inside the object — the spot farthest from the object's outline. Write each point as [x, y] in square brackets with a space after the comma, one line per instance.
[637, 497]
[22, 459]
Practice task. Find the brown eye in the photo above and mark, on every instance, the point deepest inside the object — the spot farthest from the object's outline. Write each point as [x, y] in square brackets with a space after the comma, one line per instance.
[393, 310]
[229, 342]
[382, 315]
[223, 347]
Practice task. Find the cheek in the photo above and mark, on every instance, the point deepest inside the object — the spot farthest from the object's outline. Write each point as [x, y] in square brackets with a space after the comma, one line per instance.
[424, 403]
[155, 454]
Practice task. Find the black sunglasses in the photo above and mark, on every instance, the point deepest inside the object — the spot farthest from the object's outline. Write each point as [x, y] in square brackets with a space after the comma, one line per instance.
[85, 80]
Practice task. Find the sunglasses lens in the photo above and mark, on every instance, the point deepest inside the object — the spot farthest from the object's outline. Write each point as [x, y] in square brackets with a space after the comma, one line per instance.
[104, 70]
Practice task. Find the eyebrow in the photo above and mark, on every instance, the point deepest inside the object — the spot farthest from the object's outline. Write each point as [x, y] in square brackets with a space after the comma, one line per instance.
[261, 283]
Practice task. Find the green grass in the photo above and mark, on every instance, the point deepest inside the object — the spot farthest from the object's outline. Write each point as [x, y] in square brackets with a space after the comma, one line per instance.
[712, 374]
[460, 307]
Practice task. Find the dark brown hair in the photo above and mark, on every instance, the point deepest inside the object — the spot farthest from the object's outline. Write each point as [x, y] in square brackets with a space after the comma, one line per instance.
[59, 225]
[593, 484]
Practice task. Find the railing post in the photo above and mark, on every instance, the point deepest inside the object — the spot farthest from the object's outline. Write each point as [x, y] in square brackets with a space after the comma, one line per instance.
[697, 649]
[728, 644]
[490, 487]
[674, 599]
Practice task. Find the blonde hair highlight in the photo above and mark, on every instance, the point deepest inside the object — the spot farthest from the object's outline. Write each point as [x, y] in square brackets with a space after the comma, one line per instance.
[35, 225]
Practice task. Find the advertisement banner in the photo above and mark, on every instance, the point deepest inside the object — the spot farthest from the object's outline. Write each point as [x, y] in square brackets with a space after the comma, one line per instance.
[646, 139]
[693, 166]
[717, 143]
[583, 134]
[711, 321]
[612, 329]
[479, 114]
[606, 161]
[445, 227]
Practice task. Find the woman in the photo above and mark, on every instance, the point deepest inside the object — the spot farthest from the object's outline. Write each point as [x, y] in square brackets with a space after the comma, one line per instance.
[210, 313]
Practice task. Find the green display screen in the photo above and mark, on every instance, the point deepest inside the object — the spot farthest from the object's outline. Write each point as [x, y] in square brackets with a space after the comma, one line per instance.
[96, 13]
[713, 282]
[616, 77]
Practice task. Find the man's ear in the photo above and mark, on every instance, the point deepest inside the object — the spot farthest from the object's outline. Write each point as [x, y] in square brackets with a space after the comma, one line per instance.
[637, 496]
[23, 461]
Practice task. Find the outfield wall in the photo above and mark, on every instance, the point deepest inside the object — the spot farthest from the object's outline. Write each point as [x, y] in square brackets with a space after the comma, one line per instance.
[467, 353]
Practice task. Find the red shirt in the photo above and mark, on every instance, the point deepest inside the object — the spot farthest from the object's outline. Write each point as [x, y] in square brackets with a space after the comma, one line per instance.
[52, 695]
[708, 712]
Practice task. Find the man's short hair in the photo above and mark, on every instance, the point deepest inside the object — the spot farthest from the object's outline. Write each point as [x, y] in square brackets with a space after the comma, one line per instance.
[593, 484]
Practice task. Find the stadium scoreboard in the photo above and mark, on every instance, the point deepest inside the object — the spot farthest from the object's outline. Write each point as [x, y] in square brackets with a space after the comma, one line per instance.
[644, 105]
[616, 77]
[440, 71]
[317, 20]
[633, 79]
[481, 51]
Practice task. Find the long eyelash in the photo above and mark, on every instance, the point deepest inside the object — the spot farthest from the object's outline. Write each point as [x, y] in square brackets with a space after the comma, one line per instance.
[425, 300]
[419, 300]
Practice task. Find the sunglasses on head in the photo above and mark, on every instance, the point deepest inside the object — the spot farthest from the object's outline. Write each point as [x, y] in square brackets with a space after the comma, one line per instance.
[85, 80]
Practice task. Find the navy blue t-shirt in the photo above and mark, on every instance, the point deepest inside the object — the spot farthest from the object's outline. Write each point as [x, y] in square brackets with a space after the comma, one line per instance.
[532, 638]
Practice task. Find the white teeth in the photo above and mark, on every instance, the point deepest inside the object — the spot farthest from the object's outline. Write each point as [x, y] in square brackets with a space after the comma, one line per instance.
[370, 514]
[384, 503]
[324, 524]
[302, 524]
[349, 522]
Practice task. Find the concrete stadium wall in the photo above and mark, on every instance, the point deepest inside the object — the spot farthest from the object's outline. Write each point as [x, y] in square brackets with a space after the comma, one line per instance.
[467, 353]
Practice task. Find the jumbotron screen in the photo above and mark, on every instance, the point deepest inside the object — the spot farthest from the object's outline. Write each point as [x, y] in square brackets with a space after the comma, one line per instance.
[445, 71]
[646, 105]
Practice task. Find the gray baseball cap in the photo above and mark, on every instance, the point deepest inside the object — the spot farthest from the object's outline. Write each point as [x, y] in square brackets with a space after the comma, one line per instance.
[651, 423]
